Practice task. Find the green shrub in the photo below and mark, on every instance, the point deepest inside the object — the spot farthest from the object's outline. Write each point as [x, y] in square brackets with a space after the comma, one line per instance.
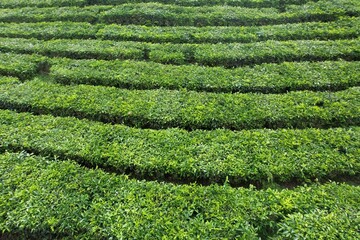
[51, 14]
[22, 66]
[74, 48]
[321, 224]
[150, 13]
[60, 3]
[265, 78]
[228, 55]
[172, 15]
[49, 30]
[237, 54]
[47, 199]
[41, 3]
[343, 28]
[8, 80]
[186, 109]
[252, 156]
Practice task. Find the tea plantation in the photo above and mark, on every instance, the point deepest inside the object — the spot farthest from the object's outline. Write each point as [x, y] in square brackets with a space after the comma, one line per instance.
[180, 119]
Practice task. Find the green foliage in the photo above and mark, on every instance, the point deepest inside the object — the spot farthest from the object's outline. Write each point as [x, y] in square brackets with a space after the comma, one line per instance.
[8, 80]
[228, 55]
[253, 156]
[172, 15]
[42, 198]
[60, 3]
[150, 13]
[51, 14]
[343, 28]
[186, 109]
[341, 224]
[265, 78]
[237, 54]
[280, 100]
[240, 3]
[22, 66]
[74, 48]
[40, 3]
[49, 30]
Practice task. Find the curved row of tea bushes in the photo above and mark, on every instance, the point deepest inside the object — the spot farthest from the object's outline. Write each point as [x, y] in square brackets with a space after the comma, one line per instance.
[240, 3]
[78, 191]
[40, 3]
[340, 29]
[33, 14]
[22, 66]
[228, 55]
[50, 30]
[257, 157]
[322, 224]
[265, 78]
[8, 80]
[156, 14]
[75, 48]
[92, 204]
[161, 108]
[62, 3]
[238, 54]
[171, 15]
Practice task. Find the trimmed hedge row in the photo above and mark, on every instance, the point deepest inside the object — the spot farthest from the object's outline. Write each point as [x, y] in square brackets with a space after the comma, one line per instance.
[322, 224]
[50, 30]
[33, 14]
[193, 3]
[172, 15]
[265, 78]
[157, 14]
[259, 157]
[91, 204]
[41, 3]
[74, 48]
[340, 29]
[22, 66]
[237, 54]
[8, 80]
[62, 3]
[185, 109]
[228, 55]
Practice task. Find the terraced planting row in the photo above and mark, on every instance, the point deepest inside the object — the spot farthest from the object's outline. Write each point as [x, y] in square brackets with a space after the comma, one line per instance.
[185, 109]
[181, 119]
[255, 156]
[138, 209]
[21, 66]
[61, 3]
[227, 55]
[265, 78]
[346, 27]
[172, 15]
